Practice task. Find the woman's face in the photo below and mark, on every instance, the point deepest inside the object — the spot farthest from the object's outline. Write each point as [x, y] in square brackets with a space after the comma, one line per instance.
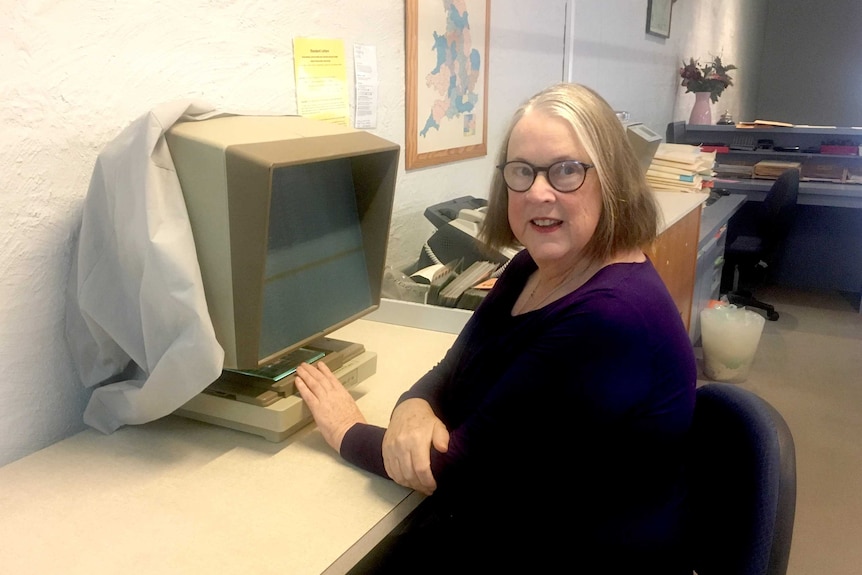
[553, 226]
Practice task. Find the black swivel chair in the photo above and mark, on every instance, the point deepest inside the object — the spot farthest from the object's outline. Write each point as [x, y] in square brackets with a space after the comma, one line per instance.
[754, 248]
[743, 491]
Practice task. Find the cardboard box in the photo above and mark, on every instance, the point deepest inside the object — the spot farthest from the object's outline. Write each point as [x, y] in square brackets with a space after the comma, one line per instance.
[854, 175]
[823, 171]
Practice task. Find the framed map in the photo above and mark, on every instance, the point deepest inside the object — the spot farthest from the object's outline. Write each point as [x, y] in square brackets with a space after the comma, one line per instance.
[447, 80]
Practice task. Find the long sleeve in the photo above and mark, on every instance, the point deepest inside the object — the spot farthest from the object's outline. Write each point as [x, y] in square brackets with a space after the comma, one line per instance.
[363, 446]
[363, 443]
[605, 375]
[578, 411]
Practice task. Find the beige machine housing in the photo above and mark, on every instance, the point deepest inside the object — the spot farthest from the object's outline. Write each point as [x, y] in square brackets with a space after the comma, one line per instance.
[225, 167]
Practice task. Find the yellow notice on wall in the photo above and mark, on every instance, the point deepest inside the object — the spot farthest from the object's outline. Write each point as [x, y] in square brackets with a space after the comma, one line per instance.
[321, 80]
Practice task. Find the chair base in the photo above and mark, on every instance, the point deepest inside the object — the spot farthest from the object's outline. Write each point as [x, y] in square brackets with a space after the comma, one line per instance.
[741, 298]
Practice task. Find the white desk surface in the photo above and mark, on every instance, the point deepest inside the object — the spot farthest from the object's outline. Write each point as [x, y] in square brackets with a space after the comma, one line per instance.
[675, 205]
[179, 496]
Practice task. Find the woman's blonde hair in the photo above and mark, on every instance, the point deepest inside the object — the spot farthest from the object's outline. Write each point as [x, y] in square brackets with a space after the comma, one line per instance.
[629, 217]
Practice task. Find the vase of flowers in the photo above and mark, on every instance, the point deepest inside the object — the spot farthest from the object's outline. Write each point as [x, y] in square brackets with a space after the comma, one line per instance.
[701, 113]
[707, 81]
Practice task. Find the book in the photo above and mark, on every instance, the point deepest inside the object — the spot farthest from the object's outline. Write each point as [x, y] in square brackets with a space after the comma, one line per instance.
[687, 178]
[664, 186]
[684, 156]
[669, 168]
[734, 170]
[763, 124]
[661, 185]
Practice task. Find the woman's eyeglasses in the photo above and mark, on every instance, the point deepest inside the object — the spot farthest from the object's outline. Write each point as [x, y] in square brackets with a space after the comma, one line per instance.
[565, 176]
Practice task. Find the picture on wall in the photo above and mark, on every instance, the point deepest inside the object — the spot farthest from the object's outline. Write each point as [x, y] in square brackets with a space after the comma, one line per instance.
[447, 81]
[658, 17]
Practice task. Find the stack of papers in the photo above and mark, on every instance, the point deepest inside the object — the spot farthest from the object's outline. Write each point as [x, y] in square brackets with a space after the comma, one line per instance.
[449, 285]
[680, 168]
[477, 272]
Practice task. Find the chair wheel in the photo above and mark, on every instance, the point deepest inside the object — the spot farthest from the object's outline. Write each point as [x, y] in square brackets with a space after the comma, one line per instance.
[772, 316]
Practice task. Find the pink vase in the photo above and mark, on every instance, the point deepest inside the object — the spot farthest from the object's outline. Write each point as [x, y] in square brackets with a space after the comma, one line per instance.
[700, 112]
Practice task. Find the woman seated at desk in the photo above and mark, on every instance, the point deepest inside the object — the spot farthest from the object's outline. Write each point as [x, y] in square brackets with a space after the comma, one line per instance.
[554, 430]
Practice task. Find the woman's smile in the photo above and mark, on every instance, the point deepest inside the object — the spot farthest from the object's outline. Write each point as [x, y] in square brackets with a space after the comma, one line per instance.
[546, 225]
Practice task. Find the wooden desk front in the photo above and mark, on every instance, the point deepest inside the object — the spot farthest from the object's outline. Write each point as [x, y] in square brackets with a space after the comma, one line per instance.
[674, 253]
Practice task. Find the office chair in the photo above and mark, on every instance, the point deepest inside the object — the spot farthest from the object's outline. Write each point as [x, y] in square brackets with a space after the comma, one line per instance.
[743, 488]
[754, 249]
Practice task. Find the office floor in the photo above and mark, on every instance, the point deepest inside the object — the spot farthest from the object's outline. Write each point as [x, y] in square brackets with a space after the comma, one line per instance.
[809, 366]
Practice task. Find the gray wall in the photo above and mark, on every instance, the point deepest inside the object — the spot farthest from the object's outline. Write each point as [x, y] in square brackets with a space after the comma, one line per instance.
[811, 70]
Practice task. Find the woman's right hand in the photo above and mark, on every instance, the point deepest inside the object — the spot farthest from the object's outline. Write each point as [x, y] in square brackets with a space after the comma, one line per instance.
[413, 430]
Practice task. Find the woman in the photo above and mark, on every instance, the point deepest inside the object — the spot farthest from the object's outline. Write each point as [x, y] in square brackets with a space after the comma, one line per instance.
[554, 429]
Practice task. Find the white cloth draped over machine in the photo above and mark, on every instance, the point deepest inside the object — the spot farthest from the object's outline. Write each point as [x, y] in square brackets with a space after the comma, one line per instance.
[136, 319]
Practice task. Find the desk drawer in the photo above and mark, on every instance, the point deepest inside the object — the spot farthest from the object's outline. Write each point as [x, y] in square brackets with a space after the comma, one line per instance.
[710, 261]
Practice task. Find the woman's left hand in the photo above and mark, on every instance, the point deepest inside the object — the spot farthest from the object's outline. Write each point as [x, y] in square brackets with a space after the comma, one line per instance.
[331, 405]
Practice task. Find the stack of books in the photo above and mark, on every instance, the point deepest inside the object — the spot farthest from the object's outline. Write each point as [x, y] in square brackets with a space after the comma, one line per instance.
[680, 168]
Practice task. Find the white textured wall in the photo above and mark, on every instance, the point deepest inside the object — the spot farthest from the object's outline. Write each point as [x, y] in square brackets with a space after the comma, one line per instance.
[73, 74]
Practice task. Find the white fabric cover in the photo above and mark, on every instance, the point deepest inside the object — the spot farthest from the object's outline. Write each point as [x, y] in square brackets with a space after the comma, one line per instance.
[137, 320]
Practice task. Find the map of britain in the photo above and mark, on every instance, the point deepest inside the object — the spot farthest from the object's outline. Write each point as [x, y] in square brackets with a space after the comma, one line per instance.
[455, 77]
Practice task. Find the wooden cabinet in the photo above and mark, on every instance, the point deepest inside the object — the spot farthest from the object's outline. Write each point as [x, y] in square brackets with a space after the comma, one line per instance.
[674, 255]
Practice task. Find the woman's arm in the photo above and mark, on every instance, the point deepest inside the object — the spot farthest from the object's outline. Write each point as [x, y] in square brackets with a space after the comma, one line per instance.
[416, 426]
[331, 405]
[413, 430]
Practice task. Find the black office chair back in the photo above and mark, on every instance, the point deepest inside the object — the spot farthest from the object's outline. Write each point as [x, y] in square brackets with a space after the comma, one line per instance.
[778, 211]
[743, 484]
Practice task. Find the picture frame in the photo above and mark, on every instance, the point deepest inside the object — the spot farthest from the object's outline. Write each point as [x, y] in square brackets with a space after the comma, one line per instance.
[441, 128]
[658, 17]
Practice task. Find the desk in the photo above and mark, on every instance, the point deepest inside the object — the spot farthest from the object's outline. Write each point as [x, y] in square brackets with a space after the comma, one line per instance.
[179, 496]
[674, 253]
[823, 250]
[810, 193]
[710, 255]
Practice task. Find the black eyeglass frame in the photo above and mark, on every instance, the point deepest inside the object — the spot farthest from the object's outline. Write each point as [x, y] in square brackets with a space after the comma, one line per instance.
[538, 169]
